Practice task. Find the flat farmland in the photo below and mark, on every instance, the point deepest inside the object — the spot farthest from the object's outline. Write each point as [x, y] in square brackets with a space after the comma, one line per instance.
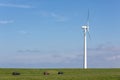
[68, 74]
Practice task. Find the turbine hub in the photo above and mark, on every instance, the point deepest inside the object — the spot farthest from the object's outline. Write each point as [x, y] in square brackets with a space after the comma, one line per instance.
[85, 27]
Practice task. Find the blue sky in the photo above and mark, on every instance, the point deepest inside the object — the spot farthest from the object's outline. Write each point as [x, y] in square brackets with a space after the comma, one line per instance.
[48, 34]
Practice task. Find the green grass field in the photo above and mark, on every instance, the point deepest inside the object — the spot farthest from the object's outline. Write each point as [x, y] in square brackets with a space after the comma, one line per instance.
[69, 74]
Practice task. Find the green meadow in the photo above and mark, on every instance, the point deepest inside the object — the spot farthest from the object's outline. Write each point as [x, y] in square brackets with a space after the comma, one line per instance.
[69, 74]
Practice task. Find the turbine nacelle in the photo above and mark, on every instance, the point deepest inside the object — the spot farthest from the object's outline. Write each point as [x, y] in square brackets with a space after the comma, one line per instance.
[85, 27]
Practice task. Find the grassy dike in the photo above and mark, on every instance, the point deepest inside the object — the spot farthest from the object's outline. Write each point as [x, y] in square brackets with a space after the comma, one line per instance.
[69, 74]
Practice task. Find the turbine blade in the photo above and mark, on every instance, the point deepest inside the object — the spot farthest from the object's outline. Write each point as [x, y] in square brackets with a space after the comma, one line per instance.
[88, 18]
[89, 34]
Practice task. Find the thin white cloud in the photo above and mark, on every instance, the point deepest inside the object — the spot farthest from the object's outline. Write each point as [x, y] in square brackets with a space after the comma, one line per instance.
[104, 49]
[108, 48]
[114, 57]
[29, 51]
[23, 32]
[41, 60]
[45, 58]
[48, 52]
[58, 17]
[104, 55]
[44, 14]
[39, 56]
[32, 57]
[53, 15]
[6, 21]
[15, 5]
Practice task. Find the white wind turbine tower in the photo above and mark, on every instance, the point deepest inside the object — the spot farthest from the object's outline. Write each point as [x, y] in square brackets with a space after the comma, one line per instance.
[86, 30]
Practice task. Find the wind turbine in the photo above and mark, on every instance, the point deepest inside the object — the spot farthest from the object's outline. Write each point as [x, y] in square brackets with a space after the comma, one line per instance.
[86, 30]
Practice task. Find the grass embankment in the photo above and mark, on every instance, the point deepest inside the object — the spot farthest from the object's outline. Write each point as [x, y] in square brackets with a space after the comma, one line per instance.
[69, 74]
